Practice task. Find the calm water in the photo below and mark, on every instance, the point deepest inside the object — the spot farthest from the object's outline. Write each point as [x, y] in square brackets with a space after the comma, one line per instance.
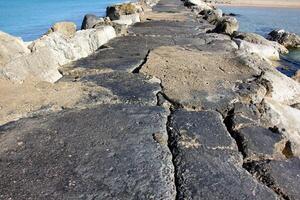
[264, 20]
[31, 18]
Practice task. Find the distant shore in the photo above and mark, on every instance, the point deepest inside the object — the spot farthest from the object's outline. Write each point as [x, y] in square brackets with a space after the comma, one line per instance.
[293, 4]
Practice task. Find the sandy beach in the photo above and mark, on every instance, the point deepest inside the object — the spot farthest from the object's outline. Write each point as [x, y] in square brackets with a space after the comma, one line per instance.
[262, 3]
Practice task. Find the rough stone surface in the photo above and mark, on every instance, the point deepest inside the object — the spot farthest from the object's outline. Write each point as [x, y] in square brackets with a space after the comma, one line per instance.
[296, 77]
[121, 29]
[186, 80]
[115, 12]
[67, 29]
[264, 51]
[81, 45]
[128, 87]
[39, 65]
[261, 143]
[89, 21]
[103, 152]
[161, 28]
[122, 54]
[287, 119]
[212, 16]
[128, 19]
[283, 176]
[199, 3]
[289, 40]
[11, 48]
[227, 25]
[258, 39]
[208, 167]
[153, 115]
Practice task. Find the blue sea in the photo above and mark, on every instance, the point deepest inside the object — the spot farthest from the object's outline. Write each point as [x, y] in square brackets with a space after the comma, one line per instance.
[29, 19]
[264, 20]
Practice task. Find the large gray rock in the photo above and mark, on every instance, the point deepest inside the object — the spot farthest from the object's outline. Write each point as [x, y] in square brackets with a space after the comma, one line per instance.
[11, 48]
[201, 5]
[40, 65]
[104, 152]
[227, 25]
[287, 119]
[207, 162]
[116, 11]
[121, 29]
[89, 21]
[258, 39]
[212, 16]
[289, 40]
[265, 51]
[128, 19]
[261, 143]
[84, 43]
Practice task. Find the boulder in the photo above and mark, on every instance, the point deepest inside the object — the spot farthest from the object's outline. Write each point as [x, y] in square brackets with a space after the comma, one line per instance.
[39, 65]
[121, 29]
[212, 16]
[116, 11]
[81, 45]
[264, 51]
[283, 89]
[258, 39]
[201, 5]
[11, 48]
[87, 42]
[227, 25]
[149, 3]
[287, 119]
[128, 19]
[296, 77]
[289, 40]
[89, 21]
[260, 143]
[67, 29]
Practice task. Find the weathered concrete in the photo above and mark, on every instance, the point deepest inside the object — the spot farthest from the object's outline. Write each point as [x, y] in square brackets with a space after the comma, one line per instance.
[127, 87]
[207, 161]
[118, 140]
[121, 54]
[282, 176]
[186, 76]
[103, 152]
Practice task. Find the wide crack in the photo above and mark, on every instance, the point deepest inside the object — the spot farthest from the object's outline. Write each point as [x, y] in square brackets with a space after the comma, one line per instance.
[138, 68]
[257, 169]
[260, 171]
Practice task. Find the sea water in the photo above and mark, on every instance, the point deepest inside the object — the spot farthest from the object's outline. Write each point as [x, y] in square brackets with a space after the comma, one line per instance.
[264, 20]
[30, 19]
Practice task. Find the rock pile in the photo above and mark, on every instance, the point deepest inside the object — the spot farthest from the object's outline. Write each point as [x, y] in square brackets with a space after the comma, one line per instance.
[289, 40]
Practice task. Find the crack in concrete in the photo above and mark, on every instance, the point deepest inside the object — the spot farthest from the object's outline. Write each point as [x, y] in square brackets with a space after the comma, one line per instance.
[173, 148]
[254, 166]
[259, 171]
[138, 68]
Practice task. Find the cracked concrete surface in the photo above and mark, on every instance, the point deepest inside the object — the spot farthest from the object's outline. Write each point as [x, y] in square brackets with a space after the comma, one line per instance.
[168, 112]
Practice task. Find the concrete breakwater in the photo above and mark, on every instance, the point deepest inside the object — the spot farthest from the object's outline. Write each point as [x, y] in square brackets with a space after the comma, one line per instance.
[178, 106]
